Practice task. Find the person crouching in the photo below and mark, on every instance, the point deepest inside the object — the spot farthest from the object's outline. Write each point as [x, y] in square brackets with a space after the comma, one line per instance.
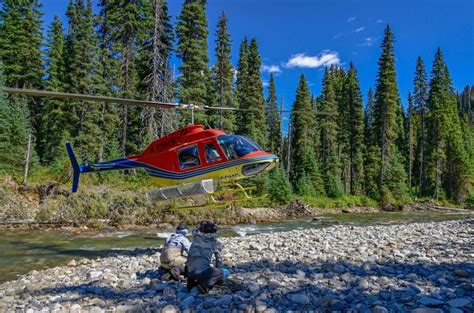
[199, 269]
[174, 253]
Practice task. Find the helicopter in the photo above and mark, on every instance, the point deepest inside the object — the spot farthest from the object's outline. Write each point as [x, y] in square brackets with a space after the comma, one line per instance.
[188, 162]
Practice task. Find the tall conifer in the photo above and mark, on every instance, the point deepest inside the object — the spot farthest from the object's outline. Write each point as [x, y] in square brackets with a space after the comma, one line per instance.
[192, 32]
[329, 156]
[273, 118]
[391, 181]
[304, 172]
[355, 129]
[222, 75]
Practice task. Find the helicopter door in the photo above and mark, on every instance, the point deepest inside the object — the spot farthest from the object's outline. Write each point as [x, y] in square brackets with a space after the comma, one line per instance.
[189, 157]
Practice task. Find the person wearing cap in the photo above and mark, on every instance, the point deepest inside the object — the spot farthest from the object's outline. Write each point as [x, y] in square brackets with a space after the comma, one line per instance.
[201, 272]
[174, 254]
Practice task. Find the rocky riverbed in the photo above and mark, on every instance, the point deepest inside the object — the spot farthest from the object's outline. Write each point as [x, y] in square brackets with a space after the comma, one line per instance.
[423, 267]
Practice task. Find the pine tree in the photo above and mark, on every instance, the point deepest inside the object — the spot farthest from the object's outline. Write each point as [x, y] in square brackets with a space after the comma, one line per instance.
[241, 83]
[155, 73]
[420, 97]
[273, 118]
[192, 32]
[411, 121]
[329, 156]
[14, 130]
[252, 100]
[355, 130]
[21, 39]
[222, 77]
[56, 117]
[372, 152]
[391, 181]
[85, 77]
[279, 189]
[448, 163]
[304, 169]
[128, 21]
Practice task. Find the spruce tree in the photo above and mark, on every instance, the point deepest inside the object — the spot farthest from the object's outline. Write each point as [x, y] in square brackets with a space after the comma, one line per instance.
[372, 151]
[85, 77]
[448, 162]
[411, 122]
[192, 32]
[155, 73]
[56, 117]
[355, 129]
[253, 101]
[391, 181]
[279, 189]
[420, 97]
[273, 118]
[21, 39]
[14, 130]
[241, 83]
[222, 77]
[128, 21]
[329, 156]
[304, 168]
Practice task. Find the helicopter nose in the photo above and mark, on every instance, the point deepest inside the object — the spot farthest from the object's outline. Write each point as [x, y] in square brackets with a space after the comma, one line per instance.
[256, 168]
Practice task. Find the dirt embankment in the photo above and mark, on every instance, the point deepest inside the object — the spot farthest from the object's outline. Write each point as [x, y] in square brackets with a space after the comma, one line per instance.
[52, 205]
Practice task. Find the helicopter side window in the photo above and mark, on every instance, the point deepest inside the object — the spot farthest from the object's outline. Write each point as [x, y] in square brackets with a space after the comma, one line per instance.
[189, 157]
[235, 146]
[211, 153]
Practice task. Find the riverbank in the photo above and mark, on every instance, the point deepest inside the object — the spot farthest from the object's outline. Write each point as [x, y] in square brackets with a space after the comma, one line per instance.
[414, 267]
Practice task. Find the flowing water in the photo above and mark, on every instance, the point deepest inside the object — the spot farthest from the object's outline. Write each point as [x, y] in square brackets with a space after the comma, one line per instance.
[23, 251]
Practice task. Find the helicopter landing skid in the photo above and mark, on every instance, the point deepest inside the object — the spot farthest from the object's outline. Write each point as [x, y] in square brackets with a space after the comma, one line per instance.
[213, 202]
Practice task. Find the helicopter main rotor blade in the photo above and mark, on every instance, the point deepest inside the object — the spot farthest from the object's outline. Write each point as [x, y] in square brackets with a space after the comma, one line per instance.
[74, 96]
[143, 103]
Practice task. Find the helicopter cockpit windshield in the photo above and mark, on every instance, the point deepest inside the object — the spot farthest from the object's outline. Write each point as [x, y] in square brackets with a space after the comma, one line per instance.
[235, 146]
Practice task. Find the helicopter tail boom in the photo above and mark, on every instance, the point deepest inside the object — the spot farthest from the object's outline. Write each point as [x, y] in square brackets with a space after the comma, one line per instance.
[78, 169]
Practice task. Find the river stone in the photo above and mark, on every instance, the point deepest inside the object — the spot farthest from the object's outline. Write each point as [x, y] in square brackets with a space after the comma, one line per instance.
[94, 274]
[75, 308]
[224, 301]
[170, 309]
[461, 273]
[96, 309]
[379, 309]
[430, 301]
[187, 302]
[129, 309]
[300, 298]
[459, 302]
[426, 310]
[363, 284]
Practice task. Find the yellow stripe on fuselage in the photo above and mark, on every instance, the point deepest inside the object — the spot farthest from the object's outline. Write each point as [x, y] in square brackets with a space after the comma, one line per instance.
[229, 174]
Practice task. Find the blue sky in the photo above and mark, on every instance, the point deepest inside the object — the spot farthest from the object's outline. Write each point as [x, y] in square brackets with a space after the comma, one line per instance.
[302, 36]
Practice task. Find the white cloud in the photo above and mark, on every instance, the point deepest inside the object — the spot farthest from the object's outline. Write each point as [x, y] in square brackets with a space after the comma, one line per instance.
[265, 83]
[337, 36]
[325, 58]
[379, 21]
[271, 69]
[369, 41]
[351, 19]
[357, 30]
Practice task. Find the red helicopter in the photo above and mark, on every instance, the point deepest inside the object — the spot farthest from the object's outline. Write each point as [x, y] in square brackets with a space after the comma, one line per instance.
[188, 162]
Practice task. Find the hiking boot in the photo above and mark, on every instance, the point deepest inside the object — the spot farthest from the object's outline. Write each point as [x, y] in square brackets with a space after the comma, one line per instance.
[202, 289]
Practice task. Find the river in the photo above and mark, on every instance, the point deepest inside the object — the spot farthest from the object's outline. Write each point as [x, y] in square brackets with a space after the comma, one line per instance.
[23, 251]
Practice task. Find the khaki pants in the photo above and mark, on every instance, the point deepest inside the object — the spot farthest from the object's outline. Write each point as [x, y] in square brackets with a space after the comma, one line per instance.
[172, 257]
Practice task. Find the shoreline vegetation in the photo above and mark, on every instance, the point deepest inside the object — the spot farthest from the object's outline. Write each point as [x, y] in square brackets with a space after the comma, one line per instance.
[105, 206]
